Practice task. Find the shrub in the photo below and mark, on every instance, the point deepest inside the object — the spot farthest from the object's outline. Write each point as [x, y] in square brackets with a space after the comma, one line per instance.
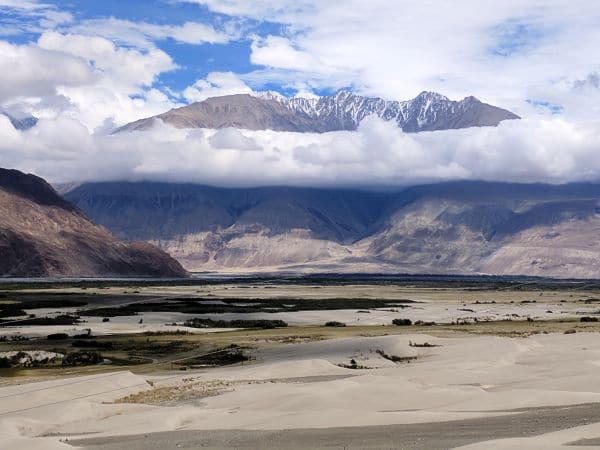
[97, 344]
[425, 324]
[82, 358]
[423, 345]
[221, 357]
[395, 358]
[57, 336]
[11, 311]
[402, 322]
[588, 319]
[334, 323]
[239, 323]
[65, 319]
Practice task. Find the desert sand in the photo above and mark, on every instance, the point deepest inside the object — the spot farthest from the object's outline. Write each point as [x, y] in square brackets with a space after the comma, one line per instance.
[475, 380]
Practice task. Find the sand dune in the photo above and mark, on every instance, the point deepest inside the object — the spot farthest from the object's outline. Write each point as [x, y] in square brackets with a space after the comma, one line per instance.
[464, 378]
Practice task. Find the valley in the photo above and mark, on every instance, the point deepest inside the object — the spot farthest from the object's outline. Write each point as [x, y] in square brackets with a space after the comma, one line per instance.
[151, 362]
[449, 228]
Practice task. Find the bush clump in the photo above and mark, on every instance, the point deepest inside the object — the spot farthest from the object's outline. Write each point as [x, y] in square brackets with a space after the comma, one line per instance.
[107, 345]
[82, 358]
[222, 357]
[12, 311]
[64, 319]
[334, 323]
[395, 358]
[57, 336]
[588, 319]
[239, 323]
[425, 324]
[402, 322]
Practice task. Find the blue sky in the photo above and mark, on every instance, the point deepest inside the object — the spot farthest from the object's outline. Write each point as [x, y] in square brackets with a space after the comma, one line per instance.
[195, 60]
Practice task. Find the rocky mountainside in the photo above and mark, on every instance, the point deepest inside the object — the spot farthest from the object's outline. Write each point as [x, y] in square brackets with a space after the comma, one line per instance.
[458, 227]
[41, 234]
[342, 111]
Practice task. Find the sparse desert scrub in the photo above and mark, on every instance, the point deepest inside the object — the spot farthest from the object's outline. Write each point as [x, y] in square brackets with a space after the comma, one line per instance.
[334, 323]
[106, 345]
[65, 319]
[239, 323]
[427, 324]
[353, 365]
[395, 358]
[221, 357]
[402, 322]
[423, 345]
[82, 358]
[57, 336]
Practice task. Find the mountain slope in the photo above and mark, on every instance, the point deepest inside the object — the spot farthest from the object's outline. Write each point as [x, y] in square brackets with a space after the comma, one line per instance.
[458, 227]
[41, 234]
[342, 111]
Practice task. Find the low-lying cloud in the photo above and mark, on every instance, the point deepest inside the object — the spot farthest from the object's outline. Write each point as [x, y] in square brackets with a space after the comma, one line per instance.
[377, 154]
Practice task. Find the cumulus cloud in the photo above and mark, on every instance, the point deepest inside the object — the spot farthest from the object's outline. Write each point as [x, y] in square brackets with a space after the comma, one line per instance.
[377, 154]
[506, 53]
[277, 51]
[216, 84]
[143, 34]
[122, 65]
[30, 16]
[87, 78]
[29, 70]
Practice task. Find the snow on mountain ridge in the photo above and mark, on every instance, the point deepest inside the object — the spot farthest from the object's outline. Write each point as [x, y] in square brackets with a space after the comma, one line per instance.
[351, 109]
[344, 110]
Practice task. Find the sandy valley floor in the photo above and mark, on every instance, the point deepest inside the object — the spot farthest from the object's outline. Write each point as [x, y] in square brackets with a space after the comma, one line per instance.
[299, 386]
[472, 388]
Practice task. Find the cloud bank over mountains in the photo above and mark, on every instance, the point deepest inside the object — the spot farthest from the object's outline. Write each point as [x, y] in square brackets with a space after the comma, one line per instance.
[377, 154]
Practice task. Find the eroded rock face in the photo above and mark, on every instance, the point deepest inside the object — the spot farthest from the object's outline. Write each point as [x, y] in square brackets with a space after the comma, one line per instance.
[342, 111]
[459, 227]
[42, 234]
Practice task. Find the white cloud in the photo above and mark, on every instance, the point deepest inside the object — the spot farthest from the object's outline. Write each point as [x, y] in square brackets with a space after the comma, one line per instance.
[378, 153]
[276, 51]
[216, 84]
[504, 52]
[143, 34]
[86, 78]
[233, 139]
[27, 5]
[257, 9]
[29, 70]
[122, 65]
[30, 16]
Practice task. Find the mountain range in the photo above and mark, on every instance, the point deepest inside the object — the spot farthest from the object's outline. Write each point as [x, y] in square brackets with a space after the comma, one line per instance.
[344, 110]
[42, 234]
[456, 227]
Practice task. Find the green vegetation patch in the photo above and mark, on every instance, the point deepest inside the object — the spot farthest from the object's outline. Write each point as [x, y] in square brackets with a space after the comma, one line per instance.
[243, 305]
[210, 323]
